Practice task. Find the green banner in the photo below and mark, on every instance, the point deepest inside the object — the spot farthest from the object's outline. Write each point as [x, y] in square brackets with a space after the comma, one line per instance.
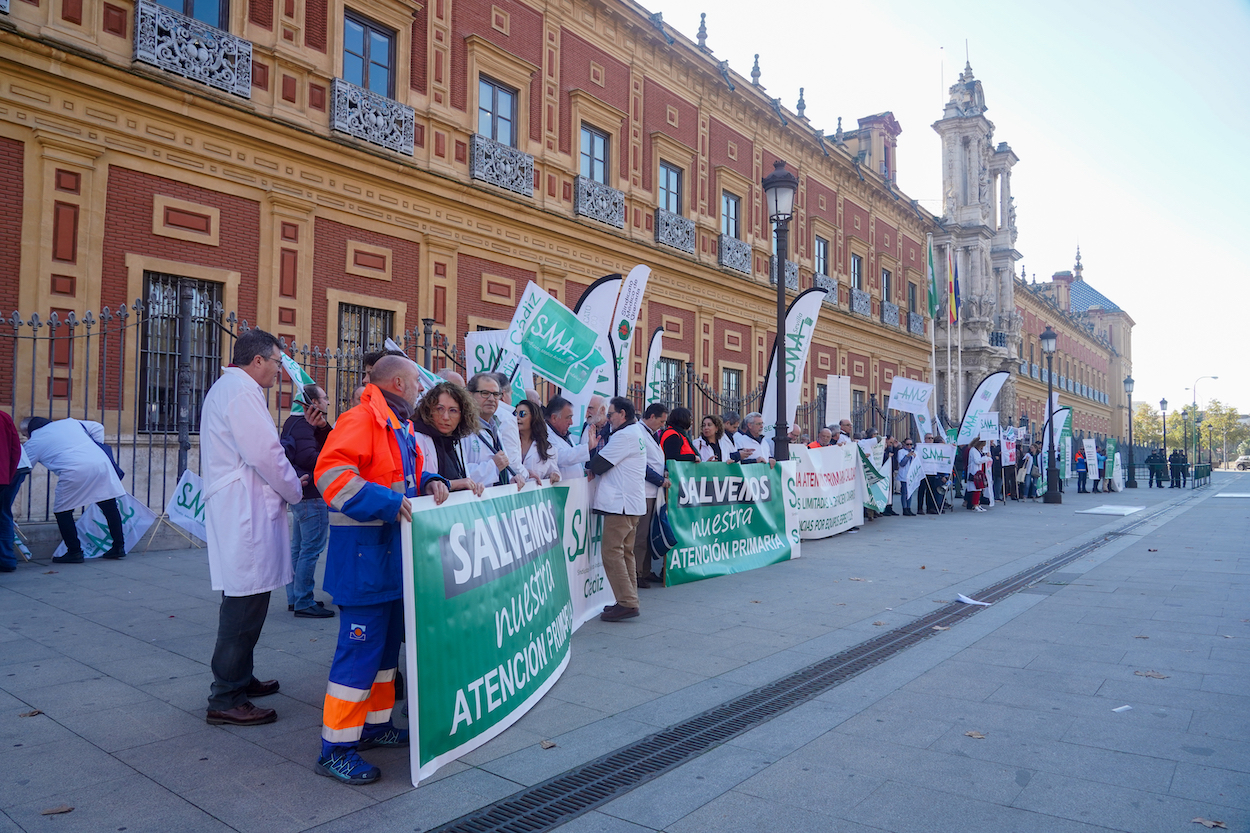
[561, 348]
[729, 518]
[489, 615]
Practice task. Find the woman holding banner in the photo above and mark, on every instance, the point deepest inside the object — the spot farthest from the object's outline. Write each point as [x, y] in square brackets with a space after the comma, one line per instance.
[712, 444]
[675, 438]
[445, 415]
[538, 458]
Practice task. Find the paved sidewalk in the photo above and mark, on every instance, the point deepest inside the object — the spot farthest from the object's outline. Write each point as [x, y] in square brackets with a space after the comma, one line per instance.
[115, 656]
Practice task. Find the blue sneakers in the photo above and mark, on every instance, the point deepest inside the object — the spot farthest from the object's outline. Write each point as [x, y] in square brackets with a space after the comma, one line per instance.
[345, 764]
[388, 738]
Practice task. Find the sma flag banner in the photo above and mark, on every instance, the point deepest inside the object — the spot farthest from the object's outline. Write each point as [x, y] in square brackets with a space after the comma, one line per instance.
[825, 496]
[185, 509]
[583, 538]
[488, 615]
[800, 327]
[935, 458]
[624, 319]
[875, 484]
[910, 395]
[561, 348]
[298, 379]
[594, 309]
[981, 403]
[485, 351]
[729, 518]
[654, 389]
[933, 290]
[93, 530]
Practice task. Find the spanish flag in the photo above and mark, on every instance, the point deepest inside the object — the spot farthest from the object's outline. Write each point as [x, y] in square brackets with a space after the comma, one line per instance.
[952, 284]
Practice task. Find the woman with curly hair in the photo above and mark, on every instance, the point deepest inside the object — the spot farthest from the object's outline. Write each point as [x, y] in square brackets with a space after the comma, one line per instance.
[445, 415]
[538, 458]
[712, 444]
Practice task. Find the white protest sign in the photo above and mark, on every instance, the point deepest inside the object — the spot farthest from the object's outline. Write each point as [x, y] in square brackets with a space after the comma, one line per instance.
[1009, 446]
[485, 351]
[583, 536]
[988, 426]
[186, 505]
[825, 490]
[936, 458]
[1091, 456]
[93, 530]
[837, 400]
[910, 395]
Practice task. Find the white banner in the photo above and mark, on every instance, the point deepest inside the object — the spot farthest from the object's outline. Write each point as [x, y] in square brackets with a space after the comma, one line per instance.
[1091, 457]
[936, 458]
[1009, 446]
[186, 506]
[910, 395]
[594, 309]
[93, 530]
[797, 341]
[837, 400]
[988, 426]
[981, 402]
[624, 318]
[826, 496]
[583, 535]
[484, 351]
[652, 385]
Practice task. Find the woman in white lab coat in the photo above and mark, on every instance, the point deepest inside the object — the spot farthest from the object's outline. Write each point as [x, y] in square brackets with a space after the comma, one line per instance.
[538, 457]
[84, 475]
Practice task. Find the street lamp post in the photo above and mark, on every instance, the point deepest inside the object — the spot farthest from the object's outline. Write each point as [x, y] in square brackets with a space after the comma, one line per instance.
[1163, 406]
[1131, 483]
[1210, 445]
[1050, 341]
[1197, 419]
[779, 188]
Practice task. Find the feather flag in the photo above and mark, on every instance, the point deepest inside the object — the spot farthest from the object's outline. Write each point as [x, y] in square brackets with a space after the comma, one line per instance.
[298, 378]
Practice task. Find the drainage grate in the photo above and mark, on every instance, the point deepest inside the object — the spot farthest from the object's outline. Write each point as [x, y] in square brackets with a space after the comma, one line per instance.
[566, 796]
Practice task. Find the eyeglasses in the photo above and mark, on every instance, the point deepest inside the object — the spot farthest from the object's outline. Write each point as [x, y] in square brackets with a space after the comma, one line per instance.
[493, 393]
[443, 410]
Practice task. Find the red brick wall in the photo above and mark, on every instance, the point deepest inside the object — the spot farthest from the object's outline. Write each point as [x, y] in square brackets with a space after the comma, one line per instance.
[260, 12]
[816, 190]
[420, 30]
[887, 237]
[524, 39]
[316, 13]
[128, 230]
[654, 317]
[575, 57]
[469, 301]
[11, 174]
[329, 259]
[655, 103]
[914, 256]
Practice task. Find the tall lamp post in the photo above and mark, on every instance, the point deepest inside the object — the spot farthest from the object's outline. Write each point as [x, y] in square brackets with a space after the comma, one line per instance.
[779, 188]
[1131, 483]
[1050, 342]
[1163, 406]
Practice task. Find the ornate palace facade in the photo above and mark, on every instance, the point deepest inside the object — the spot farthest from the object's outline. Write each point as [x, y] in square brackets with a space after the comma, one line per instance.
[339, 171]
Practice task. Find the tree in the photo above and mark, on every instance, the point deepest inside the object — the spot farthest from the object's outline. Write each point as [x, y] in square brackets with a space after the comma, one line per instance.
[1147, 425]
[1227, 429]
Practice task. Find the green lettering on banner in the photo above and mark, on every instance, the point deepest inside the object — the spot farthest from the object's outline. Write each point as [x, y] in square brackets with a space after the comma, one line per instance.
[493, 615]
[728, 518]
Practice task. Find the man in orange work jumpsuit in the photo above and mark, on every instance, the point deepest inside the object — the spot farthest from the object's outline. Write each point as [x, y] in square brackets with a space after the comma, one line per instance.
[368, 469]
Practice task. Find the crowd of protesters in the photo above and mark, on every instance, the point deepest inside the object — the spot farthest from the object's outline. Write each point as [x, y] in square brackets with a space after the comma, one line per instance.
[277, 501]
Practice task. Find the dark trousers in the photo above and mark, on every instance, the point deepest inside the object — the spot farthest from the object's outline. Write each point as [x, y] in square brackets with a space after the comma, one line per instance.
[238, 628]
[69, 532]
[1176, 476]
[930, 494]
[8, 550]
[1081, 480]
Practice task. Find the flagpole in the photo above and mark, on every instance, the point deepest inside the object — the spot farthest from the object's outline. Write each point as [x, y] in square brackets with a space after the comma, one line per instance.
[959, 326]
[932, 291]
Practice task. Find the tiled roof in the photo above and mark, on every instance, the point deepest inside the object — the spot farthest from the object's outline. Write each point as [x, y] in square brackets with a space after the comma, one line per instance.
[1083, 296]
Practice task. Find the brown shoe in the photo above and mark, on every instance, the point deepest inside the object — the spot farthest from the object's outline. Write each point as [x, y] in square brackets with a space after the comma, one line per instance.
[244, 715]
[616, 613]
[258, 689]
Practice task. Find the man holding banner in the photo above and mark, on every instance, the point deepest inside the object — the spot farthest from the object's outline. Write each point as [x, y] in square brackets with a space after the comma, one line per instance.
[368, 471]
[621, 467]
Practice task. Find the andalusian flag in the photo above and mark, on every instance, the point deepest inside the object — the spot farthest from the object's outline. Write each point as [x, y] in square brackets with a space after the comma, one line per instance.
[298, 378]
[933, 293]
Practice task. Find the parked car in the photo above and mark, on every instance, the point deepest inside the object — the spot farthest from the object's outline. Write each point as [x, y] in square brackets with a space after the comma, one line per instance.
[1243, 462]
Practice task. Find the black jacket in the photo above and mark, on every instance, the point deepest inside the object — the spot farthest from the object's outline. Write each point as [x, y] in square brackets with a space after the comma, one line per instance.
[302, 444]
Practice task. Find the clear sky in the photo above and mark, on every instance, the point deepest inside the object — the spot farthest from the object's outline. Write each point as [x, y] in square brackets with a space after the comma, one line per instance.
[1131, 121]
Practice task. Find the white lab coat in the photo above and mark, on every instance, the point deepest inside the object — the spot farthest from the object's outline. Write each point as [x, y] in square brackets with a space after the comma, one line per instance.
[535, 465]
[571, 456]
[724, 448]
[248, 483]
[509, 435]
[83, 472]
[655, 460]
[479, 457]
[620, 490]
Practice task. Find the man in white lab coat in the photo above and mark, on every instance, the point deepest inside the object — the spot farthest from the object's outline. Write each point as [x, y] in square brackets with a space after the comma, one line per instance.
[248, 484]
[84, 475]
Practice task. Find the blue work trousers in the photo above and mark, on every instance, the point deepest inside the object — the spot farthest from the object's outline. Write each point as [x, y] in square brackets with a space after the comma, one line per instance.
[310, 529]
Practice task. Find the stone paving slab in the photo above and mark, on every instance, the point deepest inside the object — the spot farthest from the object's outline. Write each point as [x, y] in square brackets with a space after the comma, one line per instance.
[116, 656]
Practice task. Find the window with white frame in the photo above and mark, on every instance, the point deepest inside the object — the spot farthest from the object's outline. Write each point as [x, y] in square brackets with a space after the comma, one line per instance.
[820, 260]
[595, 146]
[730, 215]
[887, 285]
[857, 272]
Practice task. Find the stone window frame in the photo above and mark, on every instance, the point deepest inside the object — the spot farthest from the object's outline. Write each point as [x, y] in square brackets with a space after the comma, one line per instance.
[586, 109]
[677, 155]
[391, 14]
[371, 26]
[727, 179]
[502, 67]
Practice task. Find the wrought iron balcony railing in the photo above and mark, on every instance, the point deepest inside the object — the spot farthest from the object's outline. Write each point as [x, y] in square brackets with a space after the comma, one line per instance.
[674, 230]
[501, 165]
[861, 302]
[4, 6]
[998, 339]
[734, 253]
[915, 323]
[599, 202]
[185, 46]
[826, 282]
[792, 273]
[372, 117]
[889, 313]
